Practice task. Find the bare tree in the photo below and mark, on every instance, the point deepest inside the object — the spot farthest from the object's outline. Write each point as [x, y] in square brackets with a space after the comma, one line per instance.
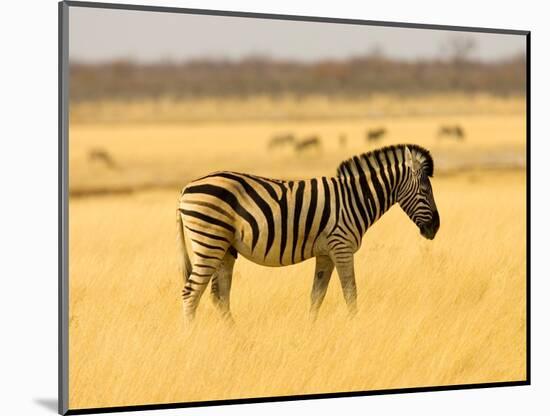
[376, 52]
[459, 48]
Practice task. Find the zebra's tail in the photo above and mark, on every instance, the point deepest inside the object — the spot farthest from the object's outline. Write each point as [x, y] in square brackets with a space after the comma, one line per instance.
[184, 262]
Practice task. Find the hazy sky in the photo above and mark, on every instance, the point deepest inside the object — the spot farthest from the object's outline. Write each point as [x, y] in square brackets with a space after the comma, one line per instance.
[103, 34]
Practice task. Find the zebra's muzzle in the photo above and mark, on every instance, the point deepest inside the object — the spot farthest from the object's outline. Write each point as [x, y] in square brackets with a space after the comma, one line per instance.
[430, 230]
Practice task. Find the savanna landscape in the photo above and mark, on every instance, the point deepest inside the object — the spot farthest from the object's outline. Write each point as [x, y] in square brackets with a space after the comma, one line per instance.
[442, 312]
[430, 313]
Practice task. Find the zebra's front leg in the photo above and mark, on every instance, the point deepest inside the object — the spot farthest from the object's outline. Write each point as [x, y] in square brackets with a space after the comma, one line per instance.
[323, 270]
[346, 273]
[221, 285]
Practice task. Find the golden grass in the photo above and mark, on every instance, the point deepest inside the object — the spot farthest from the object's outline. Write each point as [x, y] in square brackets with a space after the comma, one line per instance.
[318, 107]
[169, 155]
[449, 311]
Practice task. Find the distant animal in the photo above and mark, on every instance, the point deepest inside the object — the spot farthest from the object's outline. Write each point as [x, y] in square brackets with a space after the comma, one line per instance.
[274, 222]
[455, 132]
[342, 140]
[312, 142]
[281, 140]
[102, 156]
[374, 135]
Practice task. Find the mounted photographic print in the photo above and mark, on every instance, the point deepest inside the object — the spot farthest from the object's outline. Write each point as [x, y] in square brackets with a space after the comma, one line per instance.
[264, 207]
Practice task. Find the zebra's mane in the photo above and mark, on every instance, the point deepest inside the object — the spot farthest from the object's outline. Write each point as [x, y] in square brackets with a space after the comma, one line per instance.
[422, 155]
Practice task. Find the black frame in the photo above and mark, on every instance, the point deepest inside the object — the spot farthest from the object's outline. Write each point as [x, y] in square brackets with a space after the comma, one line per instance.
[63, 176]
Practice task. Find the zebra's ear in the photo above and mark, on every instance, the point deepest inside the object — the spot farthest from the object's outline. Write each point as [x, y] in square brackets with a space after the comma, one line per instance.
[409, 159]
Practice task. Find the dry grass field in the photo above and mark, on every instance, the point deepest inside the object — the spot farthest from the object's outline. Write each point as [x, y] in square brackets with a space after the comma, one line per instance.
[447, 311]
[287, 107]
[156, 155]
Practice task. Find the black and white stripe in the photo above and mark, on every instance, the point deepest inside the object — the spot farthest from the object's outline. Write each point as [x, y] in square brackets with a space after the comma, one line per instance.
[278, 223]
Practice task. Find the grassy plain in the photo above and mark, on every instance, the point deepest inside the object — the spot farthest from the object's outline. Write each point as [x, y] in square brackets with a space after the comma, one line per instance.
[167, 110]
[169, 155]
[448, 311]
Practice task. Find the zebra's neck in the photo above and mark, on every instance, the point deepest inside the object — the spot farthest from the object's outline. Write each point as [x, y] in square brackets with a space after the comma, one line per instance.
[369, 186]
[363, 202]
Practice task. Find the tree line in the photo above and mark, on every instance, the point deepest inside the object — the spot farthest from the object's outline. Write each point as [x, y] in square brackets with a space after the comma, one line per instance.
[252, 76]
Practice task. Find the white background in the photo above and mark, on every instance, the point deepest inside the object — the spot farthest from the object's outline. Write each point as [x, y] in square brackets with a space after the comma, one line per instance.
[28, 228]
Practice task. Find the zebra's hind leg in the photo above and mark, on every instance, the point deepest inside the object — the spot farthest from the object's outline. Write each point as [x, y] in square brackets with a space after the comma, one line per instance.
[346, 273]
[203, 267]
[221, 284]
[323, 270]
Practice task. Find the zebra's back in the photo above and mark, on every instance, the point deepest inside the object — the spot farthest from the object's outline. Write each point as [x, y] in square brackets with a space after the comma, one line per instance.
[269, 221]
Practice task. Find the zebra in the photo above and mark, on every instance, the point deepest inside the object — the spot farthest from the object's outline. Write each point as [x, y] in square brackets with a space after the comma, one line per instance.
[274, 222]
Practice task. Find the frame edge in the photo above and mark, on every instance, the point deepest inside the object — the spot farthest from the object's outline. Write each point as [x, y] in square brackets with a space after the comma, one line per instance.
[63, 178]
[276, 16]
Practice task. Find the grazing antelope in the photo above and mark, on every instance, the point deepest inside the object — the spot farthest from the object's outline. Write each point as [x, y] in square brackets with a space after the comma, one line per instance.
[312, 142]
[281, 140]
[455, 132]
[342, 140]
[102, 156]
[375, 135]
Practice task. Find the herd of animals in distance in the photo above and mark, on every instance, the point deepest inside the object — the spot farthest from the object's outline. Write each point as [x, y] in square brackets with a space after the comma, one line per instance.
[453, 132]
[375, 135]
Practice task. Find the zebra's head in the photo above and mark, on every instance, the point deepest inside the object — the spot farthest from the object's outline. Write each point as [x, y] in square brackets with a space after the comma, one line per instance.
[415, 195]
